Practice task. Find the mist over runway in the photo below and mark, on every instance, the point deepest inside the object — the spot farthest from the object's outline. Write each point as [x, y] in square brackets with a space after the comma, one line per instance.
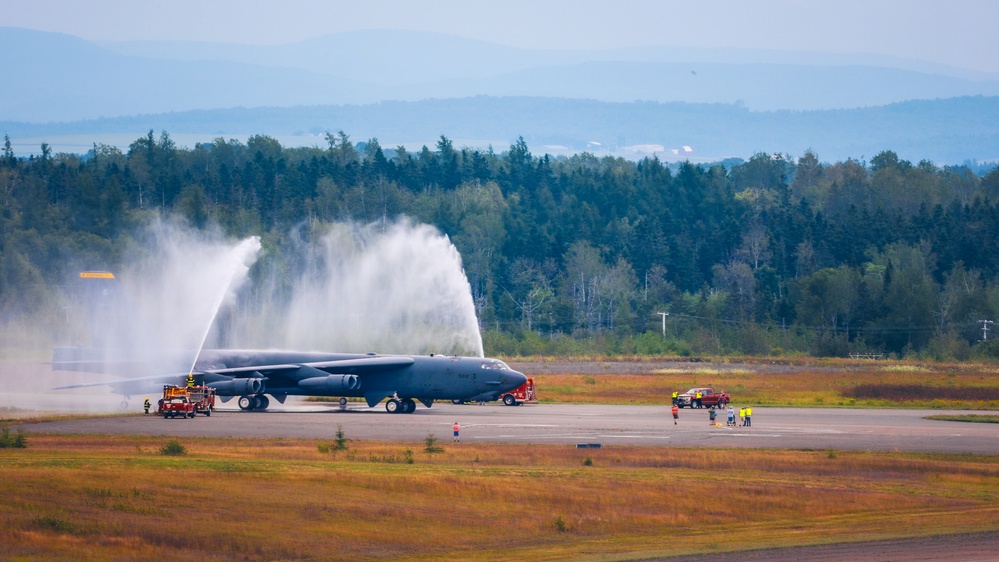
[773, 428]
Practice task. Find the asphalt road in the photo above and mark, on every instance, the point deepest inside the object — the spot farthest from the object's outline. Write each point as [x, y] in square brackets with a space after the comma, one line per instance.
[786, 428]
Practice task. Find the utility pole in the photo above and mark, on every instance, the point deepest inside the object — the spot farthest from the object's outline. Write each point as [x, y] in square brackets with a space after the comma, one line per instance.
[985, 329]
[664, 315]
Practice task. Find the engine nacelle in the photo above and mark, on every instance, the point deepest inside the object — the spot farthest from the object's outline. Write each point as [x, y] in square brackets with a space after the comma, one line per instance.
[239, 387]
[331, 383]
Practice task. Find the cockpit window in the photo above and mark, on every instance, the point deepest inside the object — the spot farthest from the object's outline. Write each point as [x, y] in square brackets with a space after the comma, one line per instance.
[497, 365]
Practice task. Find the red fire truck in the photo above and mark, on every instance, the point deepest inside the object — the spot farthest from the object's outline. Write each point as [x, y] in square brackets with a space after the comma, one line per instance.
[523, 393]
[186, 401]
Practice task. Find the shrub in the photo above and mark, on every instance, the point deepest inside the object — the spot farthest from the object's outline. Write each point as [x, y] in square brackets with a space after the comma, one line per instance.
[17, 441]
[53, 523]
[173, 448]
[431, 444]
[341, 439]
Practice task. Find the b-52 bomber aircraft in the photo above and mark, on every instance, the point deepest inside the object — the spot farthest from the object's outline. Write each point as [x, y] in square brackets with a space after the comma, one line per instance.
[252, 375]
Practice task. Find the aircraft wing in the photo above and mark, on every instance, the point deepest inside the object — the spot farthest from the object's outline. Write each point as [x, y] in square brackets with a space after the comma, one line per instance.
[281, 375]
[298, 371]
[130, 386]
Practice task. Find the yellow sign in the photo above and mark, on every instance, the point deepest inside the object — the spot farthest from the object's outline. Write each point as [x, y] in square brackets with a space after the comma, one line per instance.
[96, 275]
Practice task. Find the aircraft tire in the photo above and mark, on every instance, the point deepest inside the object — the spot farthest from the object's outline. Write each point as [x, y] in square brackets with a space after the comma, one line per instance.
[246, 403]
[409, 406]
[261, 402]
[393, 406]
[343, 401]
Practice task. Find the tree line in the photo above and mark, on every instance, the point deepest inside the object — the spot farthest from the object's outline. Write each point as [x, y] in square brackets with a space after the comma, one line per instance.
[583, 254]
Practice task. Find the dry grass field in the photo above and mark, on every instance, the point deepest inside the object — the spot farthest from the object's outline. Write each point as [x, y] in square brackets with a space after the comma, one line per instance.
[771, 382]
[122, 498]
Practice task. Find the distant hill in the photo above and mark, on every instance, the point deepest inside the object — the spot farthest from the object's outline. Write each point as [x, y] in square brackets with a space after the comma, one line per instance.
[408, 88]
[948, 131]
[57, 77]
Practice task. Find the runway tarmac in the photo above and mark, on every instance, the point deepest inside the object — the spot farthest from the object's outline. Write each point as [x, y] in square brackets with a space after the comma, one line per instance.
[784, 428]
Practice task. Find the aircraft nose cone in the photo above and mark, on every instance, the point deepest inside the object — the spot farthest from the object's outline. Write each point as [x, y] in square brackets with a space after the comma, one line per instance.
[517, 379]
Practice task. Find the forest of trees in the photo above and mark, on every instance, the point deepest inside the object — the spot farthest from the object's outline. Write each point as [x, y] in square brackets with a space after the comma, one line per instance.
[774, 255]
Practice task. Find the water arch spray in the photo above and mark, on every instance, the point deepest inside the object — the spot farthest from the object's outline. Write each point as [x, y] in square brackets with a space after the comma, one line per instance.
[397, 288]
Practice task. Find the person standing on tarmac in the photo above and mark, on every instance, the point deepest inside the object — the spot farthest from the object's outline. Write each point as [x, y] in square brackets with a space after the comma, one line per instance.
[749, 416]
[731, 416]
[456, 428]
[697, 397]
[145, 406]
[676, 414]
[190, 380]
[711, 416]
[742, 416]
[675, 394]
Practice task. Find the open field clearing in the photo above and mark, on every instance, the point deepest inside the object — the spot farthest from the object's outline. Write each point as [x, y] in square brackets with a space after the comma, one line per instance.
[770, 382]
[102, 497]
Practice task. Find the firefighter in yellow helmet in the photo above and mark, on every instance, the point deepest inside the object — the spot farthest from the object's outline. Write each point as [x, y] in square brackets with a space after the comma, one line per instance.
[145, 406]
[190, 380]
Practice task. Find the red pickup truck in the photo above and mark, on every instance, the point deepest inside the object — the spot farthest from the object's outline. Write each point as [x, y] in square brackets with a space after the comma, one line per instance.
[708, 398]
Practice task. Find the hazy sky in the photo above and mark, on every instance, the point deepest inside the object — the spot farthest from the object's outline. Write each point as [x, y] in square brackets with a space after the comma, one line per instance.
[958, 33]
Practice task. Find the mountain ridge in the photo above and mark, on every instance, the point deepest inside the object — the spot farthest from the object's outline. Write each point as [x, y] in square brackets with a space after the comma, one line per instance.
[57, 77]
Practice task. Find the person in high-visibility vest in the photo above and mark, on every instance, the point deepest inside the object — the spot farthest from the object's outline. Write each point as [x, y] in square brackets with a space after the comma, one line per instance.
[190, 380]
[676, 414]
[742, 415]
[145, 406]
[697, 398]
[675, 394]
[749, 416]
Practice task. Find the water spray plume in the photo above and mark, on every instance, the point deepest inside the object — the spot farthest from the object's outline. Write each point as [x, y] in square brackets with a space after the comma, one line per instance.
[172, 289]
[398, 288]
[232, 271]
[392, 289]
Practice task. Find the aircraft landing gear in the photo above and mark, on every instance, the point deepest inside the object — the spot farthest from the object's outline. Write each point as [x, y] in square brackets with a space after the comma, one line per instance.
[343, 403]
[396, 406]
[255, 402]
